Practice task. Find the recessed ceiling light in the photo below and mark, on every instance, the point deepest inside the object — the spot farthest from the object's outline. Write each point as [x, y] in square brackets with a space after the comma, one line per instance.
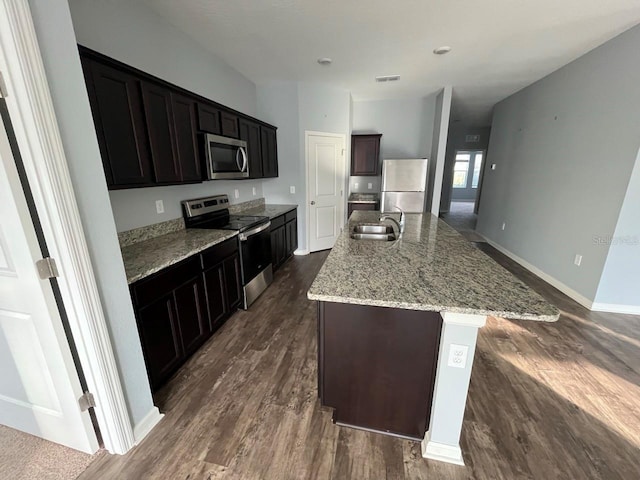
[442, 50]
[324, 61]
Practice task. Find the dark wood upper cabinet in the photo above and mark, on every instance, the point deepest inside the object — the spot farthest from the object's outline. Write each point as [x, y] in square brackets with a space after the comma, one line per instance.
[250, 133]
[208, 119]
[184, 124]
[269, 152]
[229, 124]
[116, 106]
[365, 155]
[158, 114]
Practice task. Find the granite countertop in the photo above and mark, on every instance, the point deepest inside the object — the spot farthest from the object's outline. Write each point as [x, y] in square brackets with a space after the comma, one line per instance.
[150, 256]
[269, 210]
[364, 198]
[431, 267]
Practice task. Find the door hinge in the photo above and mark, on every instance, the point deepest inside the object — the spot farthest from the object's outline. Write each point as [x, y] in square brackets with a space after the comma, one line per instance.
[3, 87]
[47, 268]
[86, 401]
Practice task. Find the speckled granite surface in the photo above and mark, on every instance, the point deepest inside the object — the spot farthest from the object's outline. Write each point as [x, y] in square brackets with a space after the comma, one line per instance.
[364, 198]
[244, 206]
[432, 267]
[150, 256]
[270, 210]
[141, 234]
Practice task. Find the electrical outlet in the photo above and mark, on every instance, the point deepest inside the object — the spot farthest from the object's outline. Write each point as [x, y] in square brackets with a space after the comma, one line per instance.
[493, 166]
[458, 356]
[159, 206]
[504, 225]
[577, 260]
[356, 185]
[369, 185]
[236, 193]
[292, 189]
[253, 190]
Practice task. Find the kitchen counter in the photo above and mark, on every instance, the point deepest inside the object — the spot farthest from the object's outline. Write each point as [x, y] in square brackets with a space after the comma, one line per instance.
[431, 268]
[269, 210]
[150, 256]
[364, 198]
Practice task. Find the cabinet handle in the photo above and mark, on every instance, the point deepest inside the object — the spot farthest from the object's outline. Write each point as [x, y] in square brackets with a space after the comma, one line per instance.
[312, 202]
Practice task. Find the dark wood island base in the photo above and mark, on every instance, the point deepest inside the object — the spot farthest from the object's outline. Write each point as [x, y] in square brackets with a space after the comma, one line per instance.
[377, 366]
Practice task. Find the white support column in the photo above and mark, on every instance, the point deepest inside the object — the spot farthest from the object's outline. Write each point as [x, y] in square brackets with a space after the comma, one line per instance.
[442, 441]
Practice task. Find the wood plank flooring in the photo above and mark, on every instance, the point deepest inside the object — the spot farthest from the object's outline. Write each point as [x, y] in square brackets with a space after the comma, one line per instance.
[546, 401]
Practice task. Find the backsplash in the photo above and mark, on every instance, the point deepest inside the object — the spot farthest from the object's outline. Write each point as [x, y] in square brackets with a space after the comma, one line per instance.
[363, 184]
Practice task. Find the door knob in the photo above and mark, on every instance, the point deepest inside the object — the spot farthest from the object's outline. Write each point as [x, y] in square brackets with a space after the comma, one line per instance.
[312, 202]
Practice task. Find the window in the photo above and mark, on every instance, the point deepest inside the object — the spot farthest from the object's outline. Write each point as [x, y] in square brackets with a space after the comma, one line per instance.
[476, 170]
[461, 170]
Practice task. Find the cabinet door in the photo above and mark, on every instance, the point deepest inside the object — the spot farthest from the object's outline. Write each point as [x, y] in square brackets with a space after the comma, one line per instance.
[116, 105]
[269, 152]
[192, 314]
[157, 108]
[158, 327]
[232, 280]
[282, 244]
[184, 123]
[229, 124]
[274, 248]
[292, 237]
[208, 119]
[250, 133]
[215, 289]
[365, 154]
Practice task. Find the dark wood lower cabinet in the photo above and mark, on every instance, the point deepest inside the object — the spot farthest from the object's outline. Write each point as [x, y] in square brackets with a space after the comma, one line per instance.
[284, 237]
[179, 308]
[377, 366]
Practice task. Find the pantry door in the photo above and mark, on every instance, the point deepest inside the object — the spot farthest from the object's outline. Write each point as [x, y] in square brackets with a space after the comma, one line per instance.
[39, 383]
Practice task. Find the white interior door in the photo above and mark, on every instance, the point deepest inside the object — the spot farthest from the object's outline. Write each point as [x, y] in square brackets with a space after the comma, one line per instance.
[325, 159]
[39, 384]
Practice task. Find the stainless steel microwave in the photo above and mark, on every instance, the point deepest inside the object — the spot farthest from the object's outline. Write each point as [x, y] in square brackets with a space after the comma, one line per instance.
[226, 157]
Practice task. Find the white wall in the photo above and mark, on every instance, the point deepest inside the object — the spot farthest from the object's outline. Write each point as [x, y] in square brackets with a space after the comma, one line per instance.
[134, 34]
[619, 288]
[62, 64]
[438, 150]
[565, 148]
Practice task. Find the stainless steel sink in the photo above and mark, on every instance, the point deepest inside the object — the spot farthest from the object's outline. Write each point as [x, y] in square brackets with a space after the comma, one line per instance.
[382, 237]
[373, 228]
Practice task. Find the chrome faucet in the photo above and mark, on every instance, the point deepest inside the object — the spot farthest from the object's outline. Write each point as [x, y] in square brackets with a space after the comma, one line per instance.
[399, 224]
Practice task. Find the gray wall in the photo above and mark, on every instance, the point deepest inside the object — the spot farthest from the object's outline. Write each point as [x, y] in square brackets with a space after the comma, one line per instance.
[296, 108]
[134, 34]
[620, 282]
[62, 64]
[434, 149]
[565, 148]
[456, 141]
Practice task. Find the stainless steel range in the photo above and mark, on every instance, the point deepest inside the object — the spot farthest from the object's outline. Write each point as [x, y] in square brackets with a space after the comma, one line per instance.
[254, 240]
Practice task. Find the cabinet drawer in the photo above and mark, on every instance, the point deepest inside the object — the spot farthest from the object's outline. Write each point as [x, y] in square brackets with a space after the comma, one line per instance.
[277, 222]
[149, 289]
[292, 215]
[214, 255]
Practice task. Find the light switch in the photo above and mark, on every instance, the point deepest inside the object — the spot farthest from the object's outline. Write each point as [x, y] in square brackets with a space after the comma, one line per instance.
[254, 191]
[292, 189]
[356, 186]
[458, 356]
[159, 206]
[236, 193]
[493, 166]
[369, 185]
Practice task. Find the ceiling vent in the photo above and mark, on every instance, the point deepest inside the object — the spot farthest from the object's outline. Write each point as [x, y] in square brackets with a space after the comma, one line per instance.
[388, 78]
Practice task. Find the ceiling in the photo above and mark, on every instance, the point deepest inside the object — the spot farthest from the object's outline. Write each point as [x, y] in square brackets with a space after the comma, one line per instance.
[499, 46]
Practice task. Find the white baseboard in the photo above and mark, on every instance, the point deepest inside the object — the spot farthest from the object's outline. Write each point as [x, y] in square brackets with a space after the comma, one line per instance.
[301, 252]
[616, 308]
[441, 451]
[144, 426]
[581, 299]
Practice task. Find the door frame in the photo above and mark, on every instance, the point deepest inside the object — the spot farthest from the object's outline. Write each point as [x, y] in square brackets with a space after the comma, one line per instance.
[307, 134]
[481, 177]
[23, 84]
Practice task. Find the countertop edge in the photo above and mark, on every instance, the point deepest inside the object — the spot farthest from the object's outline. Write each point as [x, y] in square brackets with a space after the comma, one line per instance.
[433, 308]
[179, 258]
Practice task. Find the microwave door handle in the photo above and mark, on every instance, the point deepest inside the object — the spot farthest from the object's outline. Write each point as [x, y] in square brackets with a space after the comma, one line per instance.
[246, 160]
[237, 160]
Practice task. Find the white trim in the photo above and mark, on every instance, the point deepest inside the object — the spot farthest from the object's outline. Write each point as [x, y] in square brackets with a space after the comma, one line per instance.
[144, 426]
[302, 251]
[464, 319]
[582, 300]
[33, 118]
[441, 452]
[308, 133]
[615, 308]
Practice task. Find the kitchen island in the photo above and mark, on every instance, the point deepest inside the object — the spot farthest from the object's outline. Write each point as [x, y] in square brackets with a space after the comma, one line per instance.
[397, 328]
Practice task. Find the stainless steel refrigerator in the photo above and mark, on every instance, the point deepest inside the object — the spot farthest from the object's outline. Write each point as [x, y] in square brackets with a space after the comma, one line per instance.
[404, 185]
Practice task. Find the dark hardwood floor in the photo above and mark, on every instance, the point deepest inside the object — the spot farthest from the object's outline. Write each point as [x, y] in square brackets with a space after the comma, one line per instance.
[546, 401]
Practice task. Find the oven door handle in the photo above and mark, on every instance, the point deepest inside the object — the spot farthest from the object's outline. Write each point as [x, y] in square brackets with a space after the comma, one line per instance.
[244, 236]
